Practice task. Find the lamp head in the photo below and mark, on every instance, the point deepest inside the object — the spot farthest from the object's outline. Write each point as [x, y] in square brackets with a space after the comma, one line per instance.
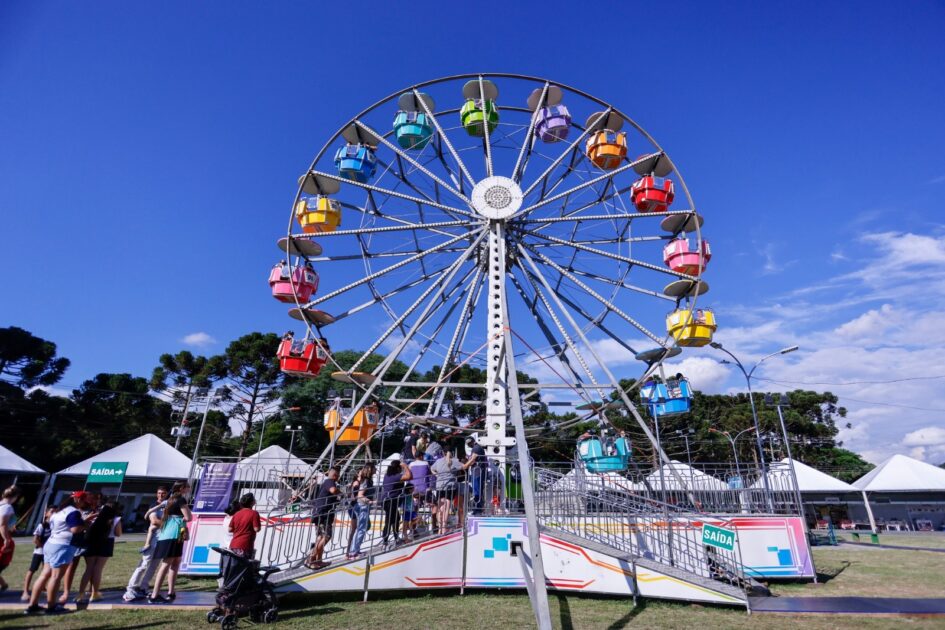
[716, 345]
[787, 350]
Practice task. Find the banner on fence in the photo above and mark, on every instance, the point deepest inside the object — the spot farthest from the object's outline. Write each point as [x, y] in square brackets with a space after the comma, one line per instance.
[215, 487]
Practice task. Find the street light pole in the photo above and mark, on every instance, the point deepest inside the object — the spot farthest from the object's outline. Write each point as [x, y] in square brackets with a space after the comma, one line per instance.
[289, 429]
[211, 399]
[754, 411]
[728, 436]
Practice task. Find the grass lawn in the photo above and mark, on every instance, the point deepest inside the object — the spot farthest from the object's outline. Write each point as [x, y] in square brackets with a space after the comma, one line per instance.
[852, 571]
[906, 539]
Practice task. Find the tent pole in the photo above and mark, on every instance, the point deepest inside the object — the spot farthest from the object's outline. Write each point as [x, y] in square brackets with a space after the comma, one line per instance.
[869, 513]
[36, 509]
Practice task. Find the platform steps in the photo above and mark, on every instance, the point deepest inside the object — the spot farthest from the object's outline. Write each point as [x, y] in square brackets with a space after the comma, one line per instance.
[723, 588]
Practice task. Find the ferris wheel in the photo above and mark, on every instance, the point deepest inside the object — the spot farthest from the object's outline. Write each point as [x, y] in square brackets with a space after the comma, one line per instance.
[500, 221]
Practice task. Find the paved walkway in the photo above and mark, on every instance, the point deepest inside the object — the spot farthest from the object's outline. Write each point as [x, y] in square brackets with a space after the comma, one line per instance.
[849, 605]
[186, 600]
[884, 546]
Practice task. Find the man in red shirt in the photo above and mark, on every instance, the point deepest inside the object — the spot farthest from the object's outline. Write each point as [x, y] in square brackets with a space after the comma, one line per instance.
[244, 526]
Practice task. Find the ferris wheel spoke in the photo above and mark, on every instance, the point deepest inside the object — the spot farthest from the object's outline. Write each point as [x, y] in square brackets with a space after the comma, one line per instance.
[343, 257]
[568, 341]
[529, 135]
[388, 228]
[629, 216]
[393, 193]
[459, 332]
[403, 155]
[401, 174]
[389, 294]
[570, 148]
[462, 288]
[375, 213]
[597, 322]
[622, 285]
[557, 347]
[438, 285]
[607, 304]
[485, 126]
[446, 140]
[590, 182]
[395, 266]
[606, 254]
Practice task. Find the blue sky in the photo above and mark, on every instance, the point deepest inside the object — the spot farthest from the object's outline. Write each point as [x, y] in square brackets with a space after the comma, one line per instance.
[148, 157]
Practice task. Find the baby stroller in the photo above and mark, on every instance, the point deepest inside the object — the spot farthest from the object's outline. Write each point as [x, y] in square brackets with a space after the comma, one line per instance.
[246, 592]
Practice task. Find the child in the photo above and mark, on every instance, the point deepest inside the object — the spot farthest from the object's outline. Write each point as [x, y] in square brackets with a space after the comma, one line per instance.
[153, 525]
[40, 536]
[410, 514]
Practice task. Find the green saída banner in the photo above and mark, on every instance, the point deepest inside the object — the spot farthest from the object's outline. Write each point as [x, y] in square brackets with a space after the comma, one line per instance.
[107, 472]
[718, 537]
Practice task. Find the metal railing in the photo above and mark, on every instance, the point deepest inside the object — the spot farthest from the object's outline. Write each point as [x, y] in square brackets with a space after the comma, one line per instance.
[636, 525]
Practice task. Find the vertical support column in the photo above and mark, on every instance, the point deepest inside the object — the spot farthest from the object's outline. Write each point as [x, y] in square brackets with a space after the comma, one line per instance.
[496, 440]
[502, 404]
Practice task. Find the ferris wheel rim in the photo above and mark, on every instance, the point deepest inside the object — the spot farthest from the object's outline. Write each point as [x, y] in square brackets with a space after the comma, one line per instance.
[356, 121]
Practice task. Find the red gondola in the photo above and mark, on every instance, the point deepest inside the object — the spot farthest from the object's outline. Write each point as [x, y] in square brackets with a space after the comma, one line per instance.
[302, 358]
[652, 194]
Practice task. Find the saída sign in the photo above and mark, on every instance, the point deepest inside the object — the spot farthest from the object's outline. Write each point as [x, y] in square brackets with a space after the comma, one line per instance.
[107, 472]
[718, 537]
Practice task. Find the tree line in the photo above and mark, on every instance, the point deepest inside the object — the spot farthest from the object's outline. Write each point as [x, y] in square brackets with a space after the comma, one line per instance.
[244, 391]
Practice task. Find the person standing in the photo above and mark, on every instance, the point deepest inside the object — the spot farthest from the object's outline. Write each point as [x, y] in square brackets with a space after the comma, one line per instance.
[100, 540]
[442, 470]
[40, 536]
[326, 501]
[422, 485]
[91, 502]
[395, 480]
[362, 509]
[476, 464]
[141, 577]
[244, 526]
[7, 523]
[170, 543]
[58, 552]
[409, 451]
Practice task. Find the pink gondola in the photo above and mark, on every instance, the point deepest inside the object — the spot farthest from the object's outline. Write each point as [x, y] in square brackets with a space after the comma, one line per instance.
[302, 285]
[682, 257]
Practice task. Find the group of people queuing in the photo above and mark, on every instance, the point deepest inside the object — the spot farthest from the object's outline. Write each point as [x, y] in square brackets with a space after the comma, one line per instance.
[420, 492]
[83, 527]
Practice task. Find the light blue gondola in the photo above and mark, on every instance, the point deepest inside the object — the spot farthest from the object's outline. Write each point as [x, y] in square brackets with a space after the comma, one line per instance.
[671, 398]
[601, 456]
[413, 129]
[356, 162]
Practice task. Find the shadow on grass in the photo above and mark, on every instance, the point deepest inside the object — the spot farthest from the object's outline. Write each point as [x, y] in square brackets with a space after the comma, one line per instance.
[825, 574]
[624, 621]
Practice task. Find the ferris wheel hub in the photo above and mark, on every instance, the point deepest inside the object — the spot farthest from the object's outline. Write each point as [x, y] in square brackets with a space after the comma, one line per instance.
[496, 198]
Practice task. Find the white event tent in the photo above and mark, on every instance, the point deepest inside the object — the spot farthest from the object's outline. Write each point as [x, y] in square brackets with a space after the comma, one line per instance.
[151, 461]
[13, 464]
[905, 492]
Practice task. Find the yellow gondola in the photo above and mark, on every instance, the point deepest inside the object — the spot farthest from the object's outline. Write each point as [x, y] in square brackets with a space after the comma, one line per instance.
[361, 429]
[318, 214]
[691, 328]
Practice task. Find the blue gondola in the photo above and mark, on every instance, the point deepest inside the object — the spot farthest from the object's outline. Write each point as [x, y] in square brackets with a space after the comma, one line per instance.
[604, 455]
[356, 162]
[667, 399]
[413, 129]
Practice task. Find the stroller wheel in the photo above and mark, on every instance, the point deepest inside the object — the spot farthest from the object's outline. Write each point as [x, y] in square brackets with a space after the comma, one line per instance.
[229, 622]
[271, 616]
[212, 617]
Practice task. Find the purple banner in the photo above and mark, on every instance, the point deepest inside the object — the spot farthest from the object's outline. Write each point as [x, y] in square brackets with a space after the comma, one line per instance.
[215, 487]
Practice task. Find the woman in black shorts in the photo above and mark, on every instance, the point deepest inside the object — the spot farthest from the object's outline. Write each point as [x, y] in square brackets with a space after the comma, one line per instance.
[170, 543]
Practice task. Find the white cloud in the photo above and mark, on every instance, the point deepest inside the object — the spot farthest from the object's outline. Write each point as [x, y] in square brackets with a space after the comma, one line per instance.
[198, 340]
[705, 374]
[52, 390]
[858, 331]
